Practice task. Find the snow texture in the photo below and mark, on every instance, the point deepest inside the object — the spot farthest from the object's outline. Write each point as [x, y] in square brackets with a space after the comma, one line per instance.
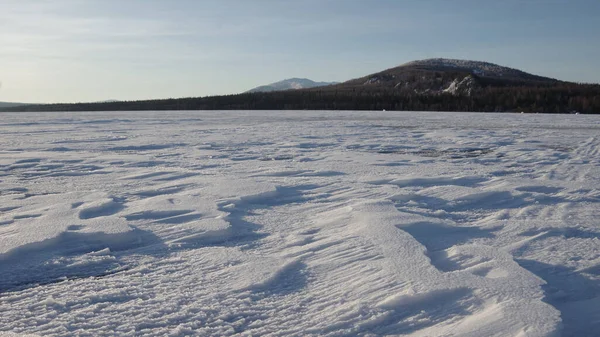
[299, 224]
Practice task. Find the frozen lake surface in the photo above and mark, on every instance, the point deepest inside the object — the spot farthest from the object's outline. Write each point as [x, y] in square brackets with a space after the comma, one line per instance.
[299, 223]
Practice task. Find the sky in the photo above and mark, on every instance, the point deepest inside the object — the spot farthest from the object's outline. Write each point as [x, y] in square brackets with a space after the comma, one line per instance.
[95, 50]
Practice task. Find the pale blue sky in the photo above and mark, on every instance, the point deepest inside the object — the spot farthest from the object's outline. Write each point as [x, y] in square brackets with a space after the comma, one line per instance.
[90, 50]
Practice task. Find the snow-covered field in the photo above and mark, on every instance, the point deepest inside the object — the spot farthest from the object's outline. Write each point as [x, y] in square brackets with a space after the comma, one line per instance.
[299, 223]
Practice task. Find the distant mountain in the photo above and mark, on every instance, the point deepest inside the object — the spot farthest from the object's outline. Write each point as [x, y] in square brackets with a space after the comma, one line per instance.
[108, 101]
[291, 83]
[425, 85]
[9, 104]
[483, 69]
[446, 76]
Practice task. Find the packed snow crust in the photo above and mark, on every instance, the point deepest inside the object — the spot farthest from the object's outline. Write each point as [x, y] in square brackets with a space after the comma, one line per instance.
[299, 224]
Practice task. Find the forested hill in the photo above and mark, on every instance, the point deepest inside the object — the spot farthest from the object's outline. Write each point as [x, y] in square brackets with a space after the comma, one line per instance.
[9, 104]
[427, 85]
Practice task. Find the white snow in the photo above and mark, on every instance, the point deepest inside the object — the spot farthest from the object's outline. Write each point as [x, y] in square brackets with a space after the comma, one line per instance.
[299, 223]
[457, 87]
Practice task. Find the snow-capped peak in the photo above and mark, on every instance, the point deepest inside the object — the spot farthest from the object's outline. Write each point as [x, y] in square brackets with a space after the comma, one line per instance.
[290, 83]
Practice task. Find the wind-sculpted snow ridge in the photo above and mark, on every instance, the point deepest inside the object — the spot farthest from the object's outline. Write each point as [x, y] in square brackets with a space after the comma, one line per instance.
[299, 224]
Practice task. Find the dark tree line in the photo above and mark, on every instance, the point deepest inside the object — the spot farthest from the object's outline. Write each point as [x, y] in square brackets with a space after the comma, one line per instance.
[561, 97]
